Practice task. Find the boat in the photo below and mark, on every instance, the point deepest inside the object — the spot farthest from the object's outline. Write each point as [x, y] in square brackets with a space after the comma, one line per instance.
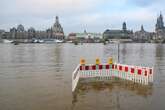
[52, 41]
[59, 41]
[38, 41]
[7, 41]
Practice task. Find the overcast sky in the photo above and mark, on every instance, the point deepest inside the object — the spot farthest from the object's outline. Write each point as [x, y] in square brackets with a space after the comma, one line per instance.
[77, 15]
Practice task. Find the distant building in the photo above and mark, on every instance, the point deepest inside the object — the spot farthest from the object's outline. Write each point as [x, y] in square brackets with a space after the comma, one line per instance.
[40, 34]
[86, 37]
[72, 37]
[159, 28]
[142, 36]
[118, 34]
[13, 33]
[2, 33]
[31, 33]
[57, 30]
[19, 33]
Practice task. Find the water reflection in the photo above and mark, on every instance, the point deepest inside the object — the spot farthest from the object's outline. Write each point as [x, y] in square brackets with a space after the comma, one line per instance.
[124, 53]
[38, 77]
[159, 51]
[58, 58]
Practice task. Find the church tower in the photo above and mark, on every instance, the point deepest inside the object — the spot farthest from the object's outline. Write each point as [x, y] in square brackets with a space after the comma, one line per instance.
[57, 30]
[124, 26]
[160, 23]
[160, 29]
[142, 28]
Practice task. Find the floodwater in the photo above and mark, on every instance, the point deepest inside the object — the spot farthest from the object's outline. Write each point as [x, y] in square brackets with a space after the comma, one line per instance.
[38, 77]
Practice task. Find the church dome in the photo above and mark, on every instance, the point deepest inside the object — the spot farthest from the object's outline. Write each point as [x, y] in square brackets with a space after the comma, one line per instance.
[106, 31]
[20, 28]
[57, 26]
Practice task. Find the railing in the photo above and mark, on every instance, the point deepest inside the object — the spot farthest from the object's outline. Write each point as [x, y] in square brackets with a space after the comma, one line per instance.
[137, 74]
[75, 77]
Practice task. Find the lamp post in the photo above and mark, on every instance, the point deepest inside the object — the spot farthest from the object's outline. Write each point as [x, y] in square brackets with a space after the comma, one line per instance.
[118, 54]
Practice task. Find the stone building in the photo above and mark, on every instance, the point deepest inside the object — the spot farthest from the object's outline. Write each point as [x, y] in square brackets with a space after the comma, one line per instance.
[118, 34]
[19, 33]
[57, 30]
[49, 34]
[72, 37]
[85, 37]
[159, 28]
[31, 33]
[142, 36]
[40, 34]
[2, 33]
[13, 33]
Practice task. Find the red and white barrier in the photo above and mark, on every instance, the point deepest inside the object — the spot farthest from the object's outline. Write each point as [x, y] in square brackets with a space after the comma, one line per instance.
[137, 74]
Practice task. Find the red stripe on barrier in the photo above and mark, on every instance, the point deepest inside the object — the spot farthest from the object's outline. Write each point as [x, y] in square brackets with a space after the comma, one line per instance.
[113, 66]
[132, 70]
[80, 67]
[145, 74]
[93, 67]
[146, 71]
[139, 71]
[100, 67]
[107, 66]
[126, 69]
[86, 67]
[120, 68]
[150, 71]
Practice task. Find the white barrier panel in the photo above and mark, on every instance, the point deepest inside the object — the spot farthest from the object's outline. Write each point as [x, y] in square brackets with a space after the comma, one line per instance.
[75, 78]
[137, 74]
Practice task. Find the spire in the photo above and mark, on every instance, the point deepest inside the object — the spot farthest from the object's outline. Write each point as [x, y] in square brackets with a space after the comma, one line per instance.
[142, 29]
[161, 16]
[124, 26]
[160, 13]
[57, 19]
[160, 23]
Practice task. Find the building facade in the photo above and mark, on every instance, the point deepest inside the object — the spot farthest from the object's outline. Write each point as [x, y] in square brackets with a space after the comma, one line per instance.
[55, 32]
[2, 33]
[118, 34]
[85, 37]
[159, 28]
[142, 36]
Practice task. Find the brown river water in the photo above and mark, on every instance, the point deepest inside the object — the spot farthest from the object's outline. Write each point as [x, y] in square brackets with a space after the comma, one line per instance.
[38, 77]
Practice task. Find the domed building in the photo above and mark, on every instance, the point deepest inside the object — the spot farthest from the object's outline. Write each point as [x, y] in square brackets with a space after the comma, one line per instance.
[21, 33]
[57, 30]
[20, 28]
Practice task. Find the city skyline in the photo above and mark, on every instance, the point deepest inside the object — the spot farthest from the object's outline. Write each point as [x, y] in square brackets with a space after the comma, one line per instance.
[77, 15]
